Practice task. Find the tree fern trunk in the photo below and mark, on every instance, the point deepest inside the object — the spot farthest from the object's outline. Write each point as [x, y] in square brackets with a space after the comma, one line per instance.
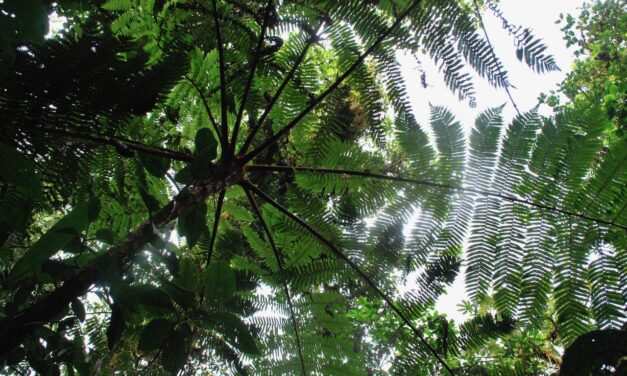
[14, 329]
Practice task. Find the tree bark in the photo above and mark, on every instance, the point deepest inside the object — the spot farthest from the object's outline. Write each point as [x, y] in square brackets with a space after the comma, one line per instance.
[16, 328]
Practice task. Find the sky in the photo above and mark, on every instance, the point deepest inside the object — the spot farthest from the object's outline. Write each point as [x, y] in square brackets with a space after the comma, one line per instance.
[540, 16]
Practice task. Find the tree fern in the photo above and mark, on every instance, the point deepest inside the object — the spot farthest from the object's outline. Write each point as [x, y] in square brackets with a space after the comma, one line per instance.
[286, 151]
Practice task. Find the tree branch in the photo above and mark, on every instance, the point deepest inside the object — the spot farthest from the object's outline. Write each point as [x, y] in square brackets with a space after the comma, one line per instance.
[257, 211]
[354, 266]
[15, 328]
[124, 144]
[216, 222]
[288, 77]
[368, 174]
[207, 109]
[281, 133]
[251, 75]
[223, 99]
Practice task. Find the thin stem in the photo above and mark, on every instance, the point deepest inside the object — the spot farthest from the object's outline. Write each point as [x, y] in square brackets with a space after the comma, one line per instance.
[173, 182]
[251, 75]
[223, 98]
[124, 144]
[498, 67]
[427, 183]
[216, 222]
[354, 266]
[207, 109]
[288, 77]
[281, 133]
[257, 211]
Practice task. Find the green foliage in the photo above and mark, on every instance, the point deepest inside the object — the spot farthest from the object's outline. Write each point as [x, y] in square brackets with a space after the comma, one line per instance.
[57, 237]
[116, 327]
[20, 22]
[290, 242]
[192, 225]
[219, 282]
[598, 75]
[154, 334]
[233, 329]
[175, 349]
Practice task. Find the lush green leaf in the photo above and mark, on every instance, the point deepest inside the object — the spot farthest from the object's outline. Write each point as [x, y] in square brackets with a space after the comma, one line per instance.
[79, 309]
[174, 351]
[52, 241]
[218, 282]
[155, 165]
[233, 329]
[116, 327]
[154, 334]
[193, 224]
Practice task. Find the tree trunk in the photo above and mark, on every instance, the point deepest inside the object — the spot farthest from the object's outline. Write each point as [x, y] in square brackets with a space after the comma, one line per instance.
[16, 328]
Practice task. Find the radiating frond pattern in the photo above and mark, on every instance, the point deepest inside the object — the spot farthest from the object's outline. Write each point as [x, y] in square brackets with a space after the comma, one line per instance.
[251, 179]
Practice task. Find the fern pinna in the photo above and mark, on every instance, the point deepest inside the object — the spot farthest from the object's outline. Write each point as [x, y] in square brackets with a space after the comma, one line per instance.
[215, 186]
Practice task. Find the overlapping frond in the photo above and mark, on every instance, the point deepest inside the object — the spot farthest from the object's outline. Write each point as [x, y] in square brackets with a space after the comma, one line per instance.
[355, 198]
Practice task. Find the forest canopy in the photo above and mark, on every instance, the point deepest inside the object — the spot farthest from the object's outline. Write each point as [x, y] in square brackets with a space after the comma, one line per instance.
[216, 187]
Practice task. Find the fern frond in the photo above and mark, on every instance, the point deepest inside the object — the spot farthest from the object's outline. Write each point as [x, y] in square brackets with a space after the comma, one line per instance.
[482, 244]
